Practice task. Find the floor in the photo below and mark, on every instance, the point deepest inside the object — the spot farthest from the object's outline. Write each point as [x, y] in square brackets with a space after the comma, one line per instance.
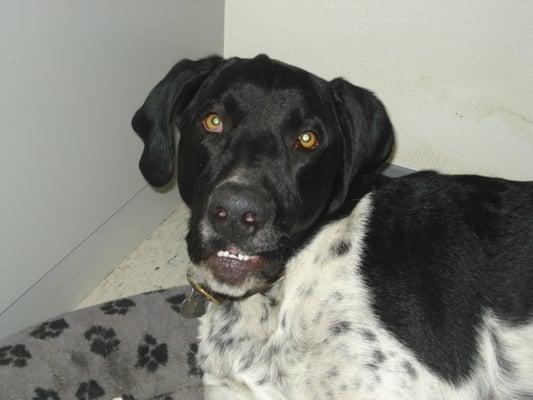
[159, 262]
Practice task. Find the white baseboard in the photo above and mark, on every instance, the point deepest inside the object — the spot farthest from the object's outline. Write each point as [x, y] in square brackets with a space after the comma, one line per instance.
[68, 282]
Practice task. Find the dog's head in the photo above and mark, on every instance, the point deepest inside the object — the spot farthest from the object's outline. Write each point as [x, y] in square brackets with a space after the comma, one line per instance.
[266, 150]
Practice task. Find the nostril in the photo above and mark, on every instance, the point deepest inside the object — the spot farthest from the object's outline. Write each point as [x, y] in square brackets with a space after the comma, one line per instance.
[220, 213]
[249, 218]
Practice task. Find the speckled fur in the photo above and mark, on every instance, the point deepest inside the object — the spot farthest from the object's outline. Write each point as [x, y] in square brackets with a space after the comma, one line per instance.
[314, 337]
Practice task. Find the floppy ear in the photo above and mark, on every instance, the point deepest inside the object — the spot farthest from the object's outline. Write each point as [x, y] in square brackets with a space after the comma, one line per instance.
[154, 122]
[367, 134]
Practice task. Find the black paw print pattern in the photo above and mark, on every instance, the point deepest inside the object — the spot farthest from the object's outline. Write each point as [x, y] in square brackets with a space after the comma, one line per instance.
[151, 355]
[89, 391]
[17, 355]
[191, 360]
[120, 307]
[103, 341]
[42, 394]
[175, 302]
[50, 329]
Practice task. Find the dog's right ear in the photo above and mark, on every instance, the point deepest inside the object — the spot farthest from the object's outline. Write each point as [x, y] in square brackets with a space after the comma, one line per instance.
[154, 122]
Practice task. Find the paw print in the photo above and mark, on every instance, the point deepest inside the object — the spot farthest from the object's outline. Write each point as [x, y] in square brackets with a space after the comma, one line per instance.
[50, 329]
[103, 341]
[89, 391]
[42, 394]
[175, 302]
[16, 356]
[151, 355]
[191, 360]
[120, 307]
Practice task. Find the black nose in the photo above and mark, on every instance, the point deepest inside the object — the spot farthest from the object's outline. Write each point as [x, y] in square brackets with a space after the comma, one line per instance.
[237, 211]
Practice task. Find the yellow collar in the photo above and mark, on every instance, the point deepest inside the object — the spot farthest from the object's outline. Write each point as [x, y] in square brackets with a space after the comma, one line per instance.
[212, 297]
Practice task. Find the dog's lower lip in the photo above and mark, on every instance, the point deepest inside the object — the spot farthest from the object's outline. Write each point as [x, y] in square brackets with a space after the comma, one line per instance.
[232, 270]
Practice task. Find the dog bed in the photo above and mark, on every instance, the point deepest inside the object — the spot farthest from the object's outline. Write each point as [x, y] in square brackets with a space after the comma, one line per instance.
[136, 348]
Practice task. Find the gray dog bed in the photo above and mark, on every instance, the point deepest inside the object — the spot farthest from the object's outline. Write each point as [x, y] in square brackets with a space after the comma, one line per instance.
[137, 348]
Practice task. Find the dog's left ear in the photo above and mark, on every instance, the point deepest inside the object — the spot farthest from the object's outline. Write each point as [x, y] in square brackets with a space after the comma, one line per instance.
[367, 134]
[154, 122]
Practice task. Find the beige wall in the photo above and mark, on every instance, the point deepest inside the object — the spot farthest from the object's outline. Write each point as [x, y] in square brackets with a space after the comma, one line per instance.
[73, 202]
[456, 75]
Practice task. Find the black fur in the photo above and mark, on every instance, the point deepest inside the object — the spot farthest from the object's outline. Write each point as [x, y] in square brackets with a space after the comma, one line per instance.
[441, 251]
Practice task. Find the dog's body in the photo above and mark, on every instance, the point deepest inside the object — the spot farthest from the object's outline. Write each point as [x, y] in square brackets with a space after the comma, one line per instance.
[343, 284]
[409, 297]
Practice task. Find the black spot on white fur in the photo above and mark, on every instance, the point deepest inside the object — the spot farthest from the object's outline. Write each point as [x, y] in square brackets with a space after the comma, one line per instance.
[247, 360]
[341, 248]
[368, 335]
[273, 302]
[340, 327]
[265, 314]
[410, 369]
[372, 365]
[379, 357]
[284, 321]
[333, 372]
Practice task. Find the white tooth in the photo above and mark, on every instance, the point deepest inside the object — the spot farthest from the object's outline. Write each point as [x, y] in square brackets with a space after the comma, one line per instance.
[220, 253]
[233, 256]
[226, 253]
[241, 257]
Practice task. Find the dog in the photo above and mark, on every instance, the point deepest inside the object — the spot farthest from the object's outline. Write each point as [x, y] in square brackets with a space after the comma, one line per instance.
[329, 280]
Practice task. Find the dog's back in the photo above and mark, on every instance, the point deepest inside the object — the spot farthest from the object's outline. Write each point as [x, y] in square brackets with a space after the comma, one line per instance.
[449, 257]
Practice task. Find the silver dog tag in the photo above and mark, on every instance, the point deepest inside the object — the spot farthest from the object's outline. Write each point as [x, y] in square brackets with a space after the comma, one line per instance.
[194, 305]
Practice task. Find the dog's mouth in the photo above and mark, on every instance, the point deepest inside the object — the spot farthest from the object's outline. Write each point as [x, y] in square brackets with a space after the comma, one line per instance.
[231, 266]
[235, 268]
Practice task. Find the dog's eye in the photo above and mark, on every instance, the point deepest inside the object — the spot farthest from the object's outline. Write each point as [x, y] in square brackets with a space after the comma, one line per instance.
[307, 140]
[213, 123]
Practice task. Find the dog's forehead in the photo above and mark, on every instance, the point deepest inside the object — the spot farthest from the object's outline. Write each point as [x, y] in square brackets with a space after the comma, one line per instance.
[265, 72]
[262, 81]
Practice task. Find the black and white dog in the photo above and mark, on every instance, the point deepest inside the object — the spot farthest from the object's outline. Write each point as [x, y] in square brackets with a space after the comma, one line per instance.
[336, 282]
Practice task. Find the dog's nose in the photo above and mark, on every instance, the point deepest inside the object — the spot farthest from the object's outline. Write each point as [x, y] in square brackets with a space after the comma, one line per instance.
[237, 211]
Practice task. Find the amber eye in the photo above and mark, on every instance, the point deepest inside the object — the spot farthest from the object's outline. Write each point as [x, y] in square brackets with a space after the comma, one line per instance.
[213, 123]
[307, 140]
